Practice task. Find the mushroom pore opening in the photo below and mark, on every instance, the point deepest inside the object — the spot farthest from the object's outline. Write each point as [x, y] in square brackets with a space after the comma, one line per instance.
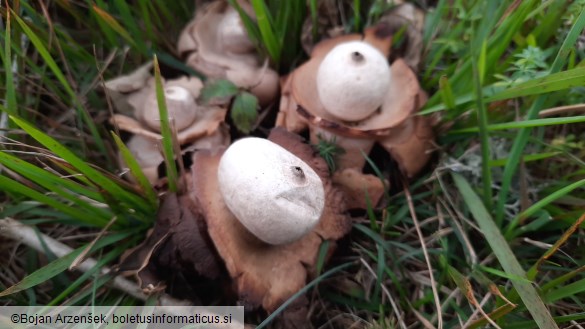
[353, 80]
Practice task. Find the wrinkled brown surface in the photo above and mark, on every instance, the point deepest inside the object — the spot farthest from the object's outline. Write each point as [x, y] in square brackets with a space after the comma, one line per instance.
[265, 275]
[130, 93]
[178, 242]
[413, 153]
[411, 18]
[206, 123]
[406, 136]
[202, 48]
[296, 315]
[120, 88]
[138, 98]
[356, 186]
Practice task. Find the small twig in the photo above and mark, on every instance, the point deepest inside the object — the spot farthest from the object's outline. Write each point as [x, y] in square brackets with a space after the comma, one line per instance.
[12, 229]
[472, 254]
[561, 110]
[425, 253]
[385, 289]
[479, 310]
[83, 255]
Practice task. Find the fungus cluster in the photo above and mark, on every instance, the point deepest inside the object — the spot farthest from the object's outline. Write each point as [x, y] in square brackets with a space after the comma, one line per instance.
[256, 212]
[216, 44]
[197, 125]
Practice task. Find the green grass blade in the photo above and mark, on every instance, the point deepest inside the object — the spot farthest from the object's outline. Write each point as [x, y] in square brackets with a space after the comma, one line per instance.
[537, 86]
[482, 118]
[497, 45]
[524, 124]
[95, 176]
[446, 92]
[522, 137]
[58, 266]
[552, 82]
[504, 274]
[107, 33]
[136, 171]
[11, 104]
[569, 290]
[527, 158]
[267, 32]
[302, 292]
[290, 17]
[322, 256]
[558, 319]
[82, 216]
[380, 271]
[504, 254]
[40, 47]
[481, 66]
[136, 32]
[148, 25]
[109, 257]
[357, 16]
[561, 279]
[543, 203]
[54, 184]
[61, 78]
[113, 24]
[36, 174]
[165, 130]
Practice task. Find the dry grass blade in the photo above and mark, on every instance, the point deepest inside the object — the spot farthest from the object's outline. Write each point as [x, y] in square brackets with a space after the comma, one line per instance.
[465, 285]
[426, 254]
[385, 289]
[496, 292]
[426, 323]
[83, 255]
[562, 110]
[532, 272]
[505, 256]
[40, 242]
[494, 315]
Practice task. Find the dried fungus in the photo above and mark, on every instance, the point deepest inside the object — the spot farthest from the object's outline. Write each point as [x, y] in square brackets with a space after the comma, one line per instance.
[197, 126]
[216, 44]
[178, 242]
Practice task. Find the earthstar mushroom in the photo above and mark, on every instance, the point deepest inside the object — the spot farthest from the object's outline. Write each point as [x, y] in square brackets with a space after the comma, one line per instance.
[216, 44]
[364, 119]
[267, 274]
[198, 126]
[273, 193]
[181, 107]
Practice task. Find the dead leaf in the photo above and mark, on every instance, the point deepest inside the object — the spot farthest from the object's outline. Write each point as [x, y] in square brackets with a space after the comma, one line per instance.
[119, 88]
[216, 44]
[177, 243]
[407, 16]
